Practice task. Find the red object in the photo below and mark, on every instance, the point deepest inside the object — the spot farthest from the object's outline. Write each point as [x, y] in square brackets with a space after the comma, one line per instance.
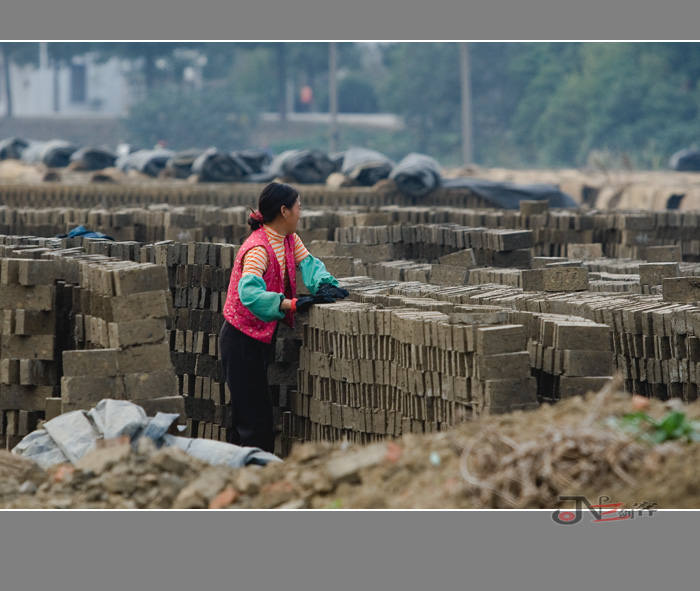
[306, 95]
[294, 306]
[257, 216]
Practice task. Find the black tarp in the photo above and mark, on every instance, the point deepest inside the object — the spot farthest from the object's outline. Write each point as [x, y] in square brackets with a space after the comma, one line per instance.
[181, 162]
[509, 195]
[303, 166]
[685, 160]
[257, 159]
[417, 174]
[54, 153]
[149, 162]
[218, 167]
[94, 157]
[366, 167]
[11, 148]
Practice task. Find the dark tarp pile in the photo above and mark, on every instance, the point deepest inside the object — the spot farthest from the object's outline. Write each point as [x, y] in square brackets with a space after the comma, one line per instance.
[337, 160]
[257, 160]
[366, 167]
[509, 195]
[54, 153]
[12, 148]
[181, 163]
[303, 166]
[149, 162]
[69, 436]
[685, 160]
[417, 174]
[94, 157]
[218, 167]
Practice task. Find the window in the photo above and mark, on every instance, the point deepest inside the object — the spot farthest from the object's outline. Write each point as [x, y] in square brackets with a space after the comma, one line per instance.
[78, 80]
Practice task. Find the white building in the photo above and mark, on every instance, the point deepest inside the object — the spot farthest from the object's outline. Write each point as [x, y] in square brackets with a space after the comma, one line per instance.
[83, 87]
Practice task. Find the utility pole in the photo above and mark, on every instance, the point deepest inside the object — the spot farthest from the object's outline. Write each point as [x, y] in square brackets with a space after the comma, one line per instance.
[467, 155]
[333, 95]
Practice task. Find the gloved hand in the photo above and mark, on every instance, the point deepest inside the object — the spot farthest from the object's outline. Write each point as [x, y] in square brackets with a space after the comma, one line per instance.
[302, 304]
[338, 293]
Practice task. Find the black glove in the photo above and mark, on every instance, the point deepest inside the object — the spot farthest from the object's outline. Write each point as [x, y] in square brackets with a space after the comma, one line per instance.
[332, 291]
[305, 302]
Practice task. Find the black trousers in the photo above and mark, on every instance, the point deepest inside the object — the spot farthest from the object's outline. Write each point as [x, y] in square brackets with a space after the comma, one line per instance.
[245, 361]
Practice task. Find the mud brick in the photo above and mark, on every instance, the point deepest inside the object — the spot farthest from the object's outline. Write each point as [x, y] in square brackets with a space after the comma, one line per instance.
[448, 275]
[542, 262]
[532, 279]
[514, 239]
[86, 391]
[166, 404]
[681, 289]
[152, 304]
[655, 273]
[462, 258]
[531, 207]
[141, 357]
[136, 332]
[90, 362]
[9, 271]
[504, 367]
[140, 278]
[9, 371]
[565, 279]
[24, 397]
[52, 408]
[575, 386]
[587, 363]
[37, 272]
[28, 347]
[37, 373]
[494, 340]
[663, 254]
[14, 297]
[156, 384]
[584, 251]
[519, 259]
[26, 422]
[32, 322]
[582, 335]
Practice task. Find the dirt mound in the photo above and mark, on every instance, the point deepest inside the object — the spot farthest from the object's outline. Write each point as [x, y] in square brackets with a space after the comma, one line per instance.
[522, 459]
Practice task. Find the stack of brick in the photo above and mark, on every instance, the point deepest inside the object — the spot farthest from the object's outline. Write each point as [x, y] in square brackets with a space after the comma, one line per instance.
[366, 373]
[28, 371]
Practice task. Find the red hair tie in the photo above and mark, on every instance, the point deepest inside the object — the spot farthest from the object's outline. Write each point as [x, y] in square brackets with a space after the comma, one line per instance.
[257, 216]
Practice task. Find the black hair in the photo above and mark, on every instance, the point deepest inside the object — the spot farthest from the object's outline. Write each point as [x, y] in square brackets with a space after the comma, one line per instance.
[272, 198]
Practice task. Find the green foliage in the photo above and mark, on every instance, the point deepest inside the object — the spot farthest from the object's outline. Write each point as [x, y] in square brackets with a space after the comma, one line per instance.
[216, 116]
[673, 425]
[356, 95]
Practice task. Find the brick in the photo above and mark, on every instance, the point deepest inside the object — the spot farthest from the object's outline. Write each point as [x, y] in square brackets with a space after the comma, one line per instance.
[532, 279]
[37, 272]
[136, 332]
[24, 397]
[9, 371]
[448, 275]
[681, 289]
[40, 297]
[33, 322]
[663, 254]
[532, 207]
[53, 408]
[565, 279]
[504, 367]
[462, 258]
[576, 386]
[510, 392]
[654, 273]
[138, 306]
[86, 391]
[140, 278]
[494, 340]
[28, 347]
[37, 373]
[141, 357]
[90, 362]
[156, 384]
[584, 251]
[582, 335]
[587, 363]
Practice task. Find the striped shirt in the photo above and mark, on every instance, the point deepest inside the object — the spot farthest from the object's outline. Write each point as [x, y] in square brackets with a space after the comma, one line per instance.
[256, 259]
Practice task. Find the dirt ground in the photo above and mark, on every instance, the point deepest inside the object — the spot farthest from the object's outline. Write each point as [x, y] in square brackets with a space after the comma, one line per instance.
[518, 460]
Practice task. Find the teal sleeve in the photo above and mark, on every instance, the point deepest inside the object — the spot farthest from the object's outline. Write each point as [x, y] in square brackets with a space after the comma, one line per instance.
[264, 304]
[314, 274]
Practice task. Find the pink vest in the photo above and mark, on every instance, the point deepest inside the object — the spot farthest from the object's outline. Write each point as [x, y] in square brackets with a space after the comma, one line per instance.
[235, 312]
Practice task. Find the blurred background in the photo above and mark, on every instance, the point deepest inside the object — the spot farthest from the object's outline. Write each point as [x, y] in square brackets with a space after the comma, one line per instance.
[497, 104]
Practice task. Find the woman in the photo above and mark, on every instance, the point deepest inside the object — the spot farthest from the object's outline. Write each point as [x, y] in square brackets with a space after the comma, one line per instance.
[261, 291]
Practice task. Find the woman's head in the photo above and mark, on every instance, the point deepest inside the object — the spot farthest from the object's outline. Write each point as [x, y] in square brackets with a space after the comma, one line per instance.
[278, 201]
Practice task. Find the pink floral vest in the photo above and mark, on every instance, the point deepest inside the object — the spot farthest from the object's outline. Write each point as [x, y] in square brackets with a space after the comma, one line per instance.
[235, 312]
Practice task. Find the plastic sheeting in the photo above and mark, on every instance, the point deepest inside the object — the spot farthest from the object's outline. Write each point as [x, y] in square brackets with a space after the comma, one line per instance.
[417, 174]
[218, 167]
[54, 153]
[68, 437]
[11, 148]
[94, 157]
[365, 166]
[149, 162]
[181, 162]
[685, 160]
[303, 166]
[257, 160]
[509, 195]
